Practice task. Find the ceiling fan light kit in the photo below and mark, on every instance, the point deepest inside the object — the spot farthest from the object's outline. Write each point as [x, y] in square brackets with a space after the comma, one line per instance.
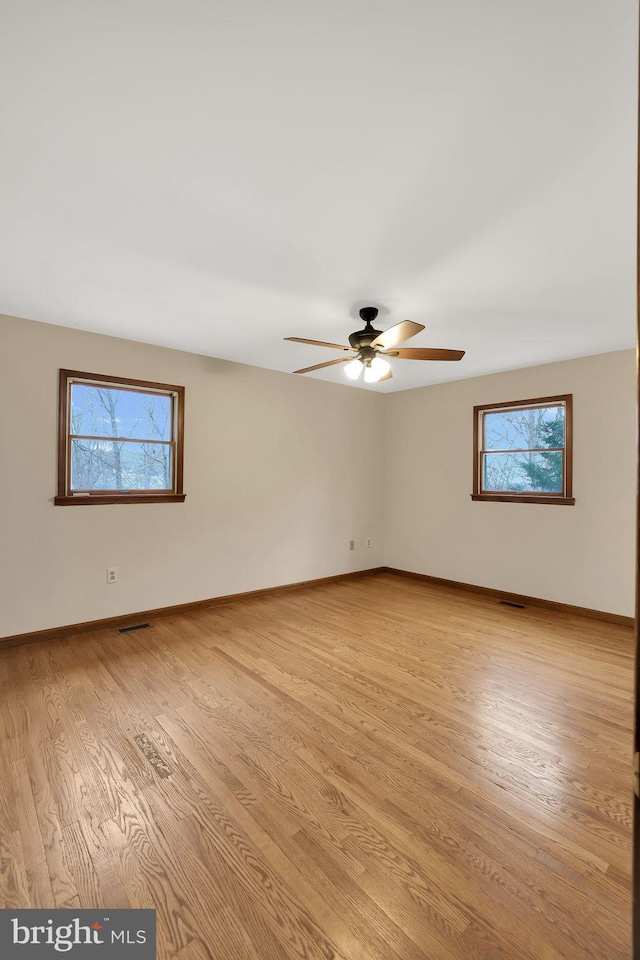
[354, 368]
[376, 370]
[370, 346]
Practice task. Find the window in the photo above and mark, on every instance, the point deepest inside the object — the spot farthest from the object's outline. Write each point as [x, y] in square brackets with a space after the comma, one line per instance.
[119, 440]
[522, 451]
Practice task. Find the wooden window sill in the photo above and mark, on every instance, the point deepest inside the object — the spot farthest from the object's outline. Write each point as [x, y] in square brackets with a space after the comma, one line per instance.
[515, 498]
[122, 498]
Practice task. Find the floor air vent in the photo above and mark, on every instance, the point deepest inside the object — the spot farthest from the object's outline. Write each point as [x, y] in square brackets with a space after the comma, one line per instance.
[137, 626]
[510, 603]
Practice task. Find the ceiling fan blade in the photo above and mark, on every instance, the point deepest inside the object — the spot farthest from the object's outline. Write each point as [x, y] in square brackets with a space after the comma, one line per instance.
[425, 353]
[318, 343]
[397, 334]
[387, 376]
[318, 366]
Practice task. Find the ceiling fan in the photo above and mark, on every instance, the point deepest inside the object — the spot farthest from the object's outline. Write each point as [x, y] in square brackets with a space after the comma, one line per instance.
[369, 347]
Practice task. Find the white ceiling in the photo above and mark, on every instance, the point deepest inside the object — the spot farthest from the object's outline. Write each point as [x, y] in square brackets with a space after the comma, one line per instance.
[215, 176]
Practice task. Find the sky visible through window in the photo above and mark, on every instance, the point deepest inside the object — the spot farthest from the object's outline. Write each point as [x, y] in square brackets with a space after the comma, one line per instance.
[92, 407]
[538, 468]
[517, 429]
[123, 464]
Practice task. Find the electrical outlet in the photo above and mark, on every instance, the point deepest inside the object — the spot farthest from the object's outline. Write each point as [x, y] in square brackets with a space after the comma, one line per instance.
[112, 574]
[352, 544]
[369, 541]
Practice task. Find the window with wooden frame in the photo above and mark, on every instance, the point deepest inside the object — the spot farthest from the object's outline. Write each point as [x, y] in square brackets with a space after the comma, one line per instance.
[522, 451]
[119, 440]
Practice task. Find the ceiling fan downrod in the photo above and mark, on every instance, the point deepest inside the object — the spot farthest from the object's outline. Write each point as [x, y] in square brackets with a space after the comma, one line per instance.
[364, 338]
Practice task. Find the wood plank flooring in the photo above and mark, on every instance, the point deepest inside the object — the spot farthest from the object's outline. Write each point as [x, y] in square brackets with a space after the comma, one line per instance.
[377, 769]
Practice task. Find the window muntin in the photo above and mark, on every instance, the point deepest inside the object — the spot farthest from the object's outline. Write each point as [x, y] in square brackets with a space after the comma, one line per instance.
[120, 440]
[522, 451]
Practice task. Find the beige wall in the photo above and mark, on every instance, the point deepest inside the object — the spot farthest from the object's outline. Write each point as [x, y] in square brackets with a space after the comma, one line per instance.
[280, 473]
[582, 554]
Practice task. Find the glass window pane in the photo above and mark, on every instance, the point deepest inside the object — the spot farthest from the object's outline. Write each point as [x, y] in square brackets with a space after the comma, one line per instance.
[523, 472]
[105, 465]
[528, 429]
[104, 412]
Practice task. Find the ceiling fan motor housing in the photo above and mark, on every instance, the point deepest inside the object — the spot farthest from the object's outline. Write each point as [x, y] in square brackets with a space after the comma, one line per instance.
[364, 338]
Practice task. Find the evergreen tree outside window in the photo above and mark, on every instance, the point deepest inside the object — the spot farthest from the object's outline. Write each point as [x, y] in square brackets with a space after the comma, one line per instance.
[119, 440]
[522, 451]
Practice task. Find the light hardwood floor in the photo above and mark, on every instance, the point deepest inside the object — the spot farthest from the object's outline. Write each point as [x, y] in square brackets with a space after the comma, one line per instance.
[376, 768]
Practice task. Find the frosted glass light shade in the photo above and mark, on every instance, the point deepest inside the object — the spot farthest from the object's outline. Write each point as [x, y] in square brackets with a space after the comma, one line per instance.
[354, 369]
[377, 370]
